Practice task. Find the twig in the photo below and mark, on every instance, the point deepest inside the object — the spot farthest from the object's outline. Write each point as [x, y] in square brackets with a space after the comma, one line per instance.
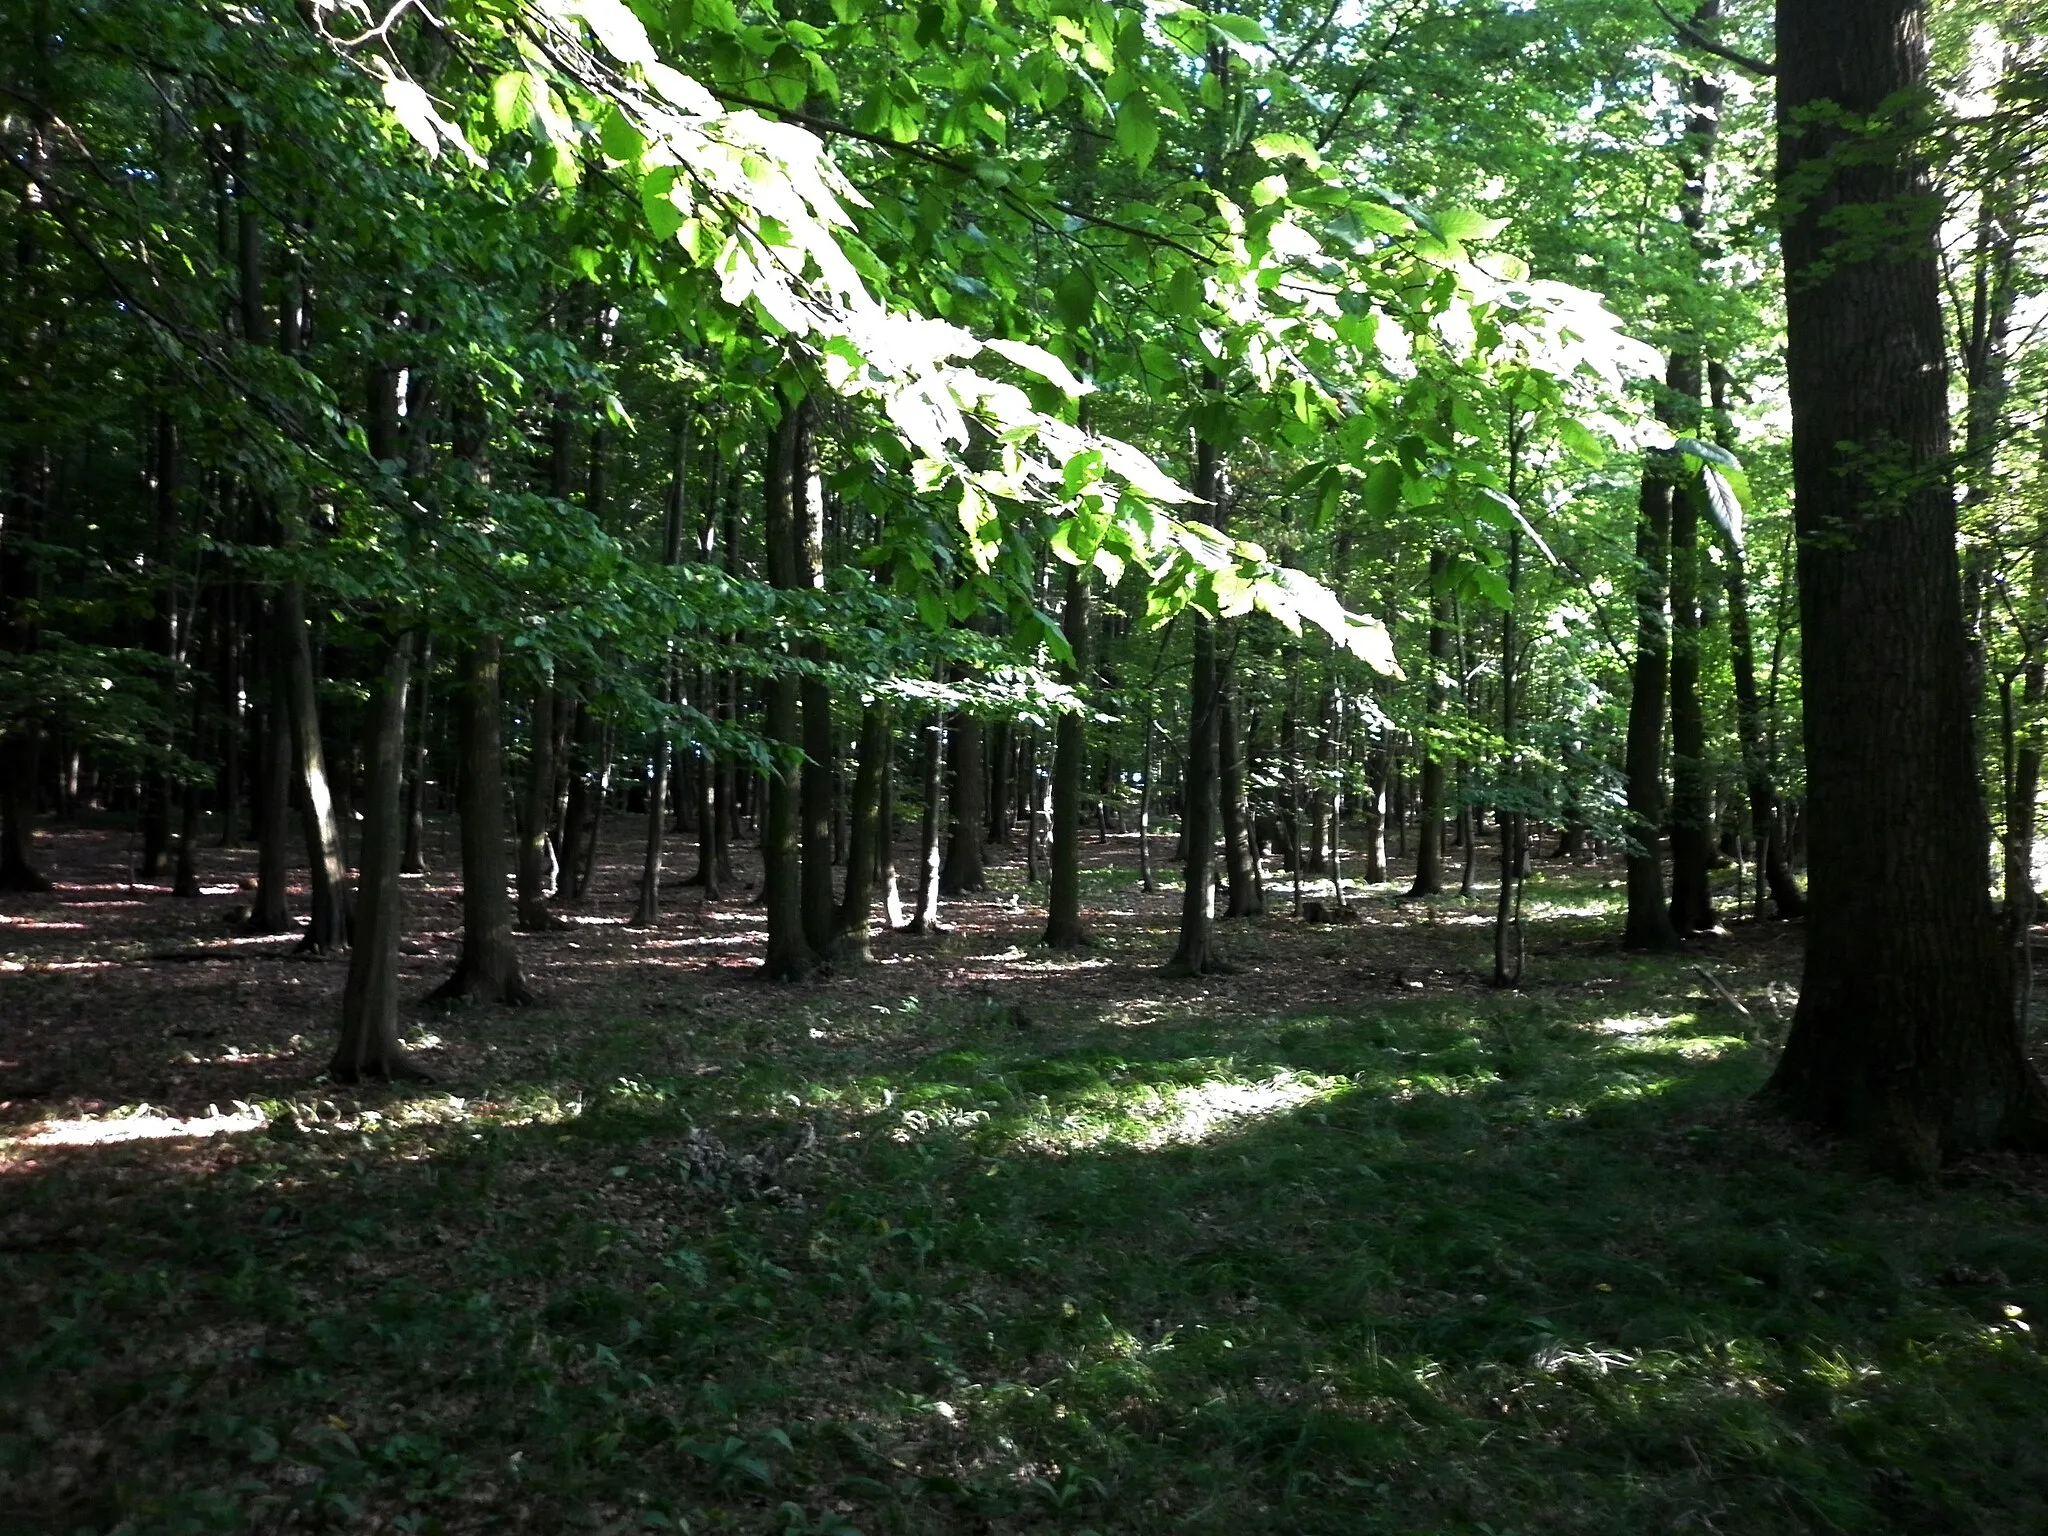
[1689, 33]
[1726, 996]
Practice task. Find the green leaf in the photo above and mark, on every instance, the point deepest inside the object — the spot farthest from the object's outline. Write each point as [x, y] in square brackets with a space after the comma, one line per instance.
[1581, 443]
[1383, 489]
[1137, 129]
[619, 138]
[1074, 299]
[512, 100]
[664, 218]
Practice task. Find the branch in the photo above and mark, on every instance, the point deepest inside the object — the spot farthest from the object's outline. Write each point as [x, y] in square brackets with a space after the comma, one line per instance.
[1687, 32]
[826, 125]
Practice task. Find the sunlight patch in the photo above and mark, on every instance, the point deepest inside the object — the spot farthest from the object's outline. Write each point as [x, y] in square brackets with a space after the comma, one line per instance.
[1161, 1117]
[144, 1125]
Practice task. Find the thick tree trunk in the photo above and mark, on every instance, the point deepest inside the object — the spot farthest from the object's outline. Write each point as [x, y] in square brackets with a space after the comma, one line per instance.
[1905, 1033]
[1063, 926]
[966, 799]
[1429, 836]
[20, 528]
[487, 970]
[369, 1047]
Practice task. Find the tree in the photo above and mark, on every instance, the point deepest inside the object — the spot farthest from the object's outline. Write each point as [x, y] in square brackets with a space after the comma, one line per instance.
[1905, 1032]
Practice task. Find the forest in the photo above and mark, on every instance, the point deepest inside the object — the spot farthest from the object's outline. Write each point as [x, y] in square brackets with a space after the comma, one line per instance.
[828, 767]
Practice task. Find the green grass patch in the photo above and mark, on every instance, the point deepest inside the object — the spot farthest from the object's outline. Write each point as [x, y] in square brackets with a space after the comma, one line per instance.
[1448, 1262]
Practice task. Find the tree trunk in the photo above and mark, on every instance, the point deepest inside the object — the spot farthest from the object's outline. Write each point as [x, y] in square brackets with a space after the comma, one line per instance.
[926, 918]
[1063, 926]
[1429, 835]
[966, 800]
[329, 926]
[1692, 822]
[851, 925]
[369, 1047]
[269, 911]
[790, 955]
[1195, 952]
[1648, 925]
[1905, 1033]
[537, 813]
[487, 969]
[414, 861]
[1240, 855]
[1145, 874]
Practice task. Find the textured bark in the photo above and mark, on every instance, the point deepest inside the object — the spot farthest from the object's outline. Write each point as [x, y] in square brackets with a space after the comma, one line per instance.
[369, 1047]
[1429, 833]
[1063, 926]
[1905, 1033]
[487, 969]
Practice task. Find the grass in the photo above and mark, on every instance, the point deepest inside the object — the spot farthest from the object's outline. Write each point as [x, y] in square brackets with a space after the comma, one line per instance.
[1447, 1261]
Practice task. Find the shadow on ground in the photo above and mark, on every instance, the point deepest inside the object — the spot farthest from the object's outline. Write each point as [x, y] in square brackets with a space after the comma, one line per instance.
[1454, 1262]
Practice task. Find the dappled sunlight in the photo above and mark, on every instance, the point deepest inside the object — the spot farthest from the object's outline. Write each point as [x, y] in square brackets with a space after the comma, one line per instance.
[139, 1124]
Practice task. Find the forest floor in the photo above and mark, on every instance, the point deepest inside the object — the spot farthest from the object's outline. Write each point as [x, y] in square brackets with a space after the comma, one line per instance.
[976, 1239]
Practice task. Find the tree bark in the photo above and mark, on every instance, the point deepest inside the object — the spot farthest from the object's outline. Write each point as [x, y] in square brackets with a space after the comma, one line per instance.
[1905, 1033]
[851, 924]
[1195, 951]
[328, 929]
[1063, 926]
[790, 956]
[1648, 925]
[487, 969]
[414, 859]
[269, 910]
[369, 1047]
[1240, 855]
[537, 812]
[1429, 833]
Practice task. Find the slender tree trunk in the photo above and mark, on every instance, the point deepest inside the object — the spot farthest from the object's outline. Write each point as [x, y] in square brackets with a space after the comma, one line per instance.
[851, 923]
[1145, 873]
[933, 783]
[269, 911]
[487, 969]
[1429, 836]
[414, 861]
[1195, 952]
[1064, 928]
[537, 812]
[1648, 925]
[1240, 855]
[1905, 1033]
[888, 880]
[820, 742]
[790, 955]
[329, 926]
[1692, 846]
[369, 1047]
